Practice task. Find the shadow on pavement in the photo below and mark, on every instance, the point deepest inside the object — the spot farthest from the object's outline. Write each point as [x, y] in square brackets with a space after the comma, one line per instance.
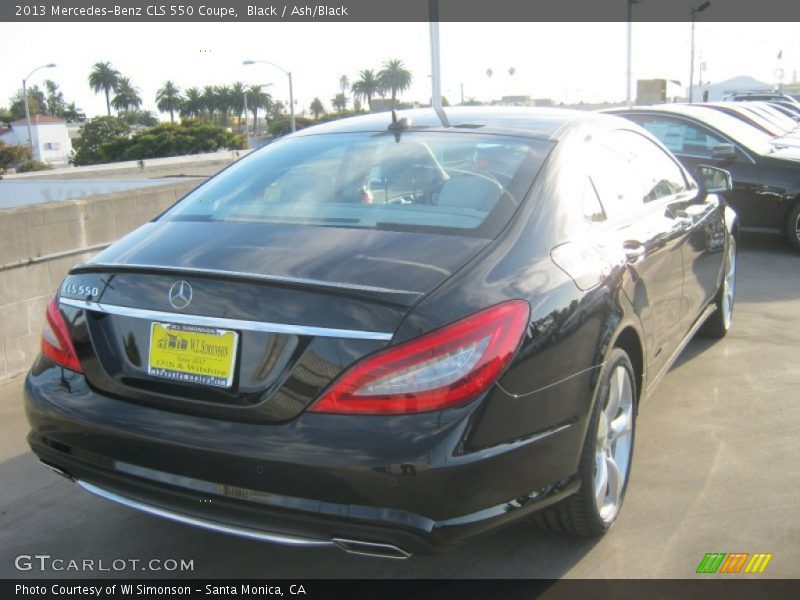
[768, 269]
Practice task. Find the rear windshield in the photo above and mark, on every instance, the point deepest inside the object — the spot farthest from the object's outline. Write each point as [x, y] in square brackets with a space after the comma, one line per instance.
[455, 183]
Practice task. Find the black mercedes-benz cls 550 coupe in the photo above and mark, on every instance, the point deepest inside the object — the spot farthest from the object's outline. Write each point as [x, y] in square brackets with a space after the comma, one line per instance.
[389, 334]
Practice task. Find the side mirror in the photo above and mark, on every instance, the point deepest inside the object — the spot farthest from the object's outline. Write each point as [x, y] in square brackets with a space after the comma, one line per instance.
[713, 180]
[723, 152]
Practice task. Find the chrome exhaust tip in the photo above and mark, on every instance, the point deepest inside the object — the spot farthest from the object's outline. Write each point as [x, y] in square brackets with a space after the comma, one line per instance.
[374, 549]
[57, 470]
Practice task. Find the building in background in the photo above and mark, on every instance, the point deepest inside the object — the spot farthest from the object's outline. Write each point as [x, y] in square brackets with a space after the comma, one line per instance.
[523, 101]
[715, 92]
[793, 89]
[657, 91]
[51, 140]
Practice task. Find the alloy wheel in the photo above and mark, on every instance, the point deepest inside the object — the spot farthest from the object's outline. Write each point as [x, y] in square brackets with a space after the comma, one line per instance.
[614, 444]
[729, 284]
[797, 228]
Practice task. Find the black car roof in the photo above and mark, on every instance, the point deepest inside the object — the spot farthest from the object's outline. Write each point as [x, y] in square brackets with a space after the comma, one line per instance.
[532, 122]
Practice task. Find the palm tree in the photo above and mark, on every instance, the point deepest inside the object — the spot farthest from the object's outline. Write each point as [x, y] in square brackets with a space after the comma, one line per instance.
[257, 98]
[210, 101]
[317, 108]
[169, 99]
[104, 78]
[192, 105]
[367, 86]
[224, 102]
[276, 109]
[126, 95]
[339, 101]
[237, 100]
[395, 77]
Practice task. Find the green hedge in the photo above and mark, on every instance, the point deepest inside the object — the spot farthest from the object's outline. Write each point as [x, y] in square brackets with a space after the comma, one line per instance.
[108, 139]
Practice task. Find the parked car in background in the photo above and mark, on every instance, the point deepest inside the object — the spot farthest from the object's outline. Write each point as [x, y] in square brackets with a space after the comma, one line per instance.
[789, 108]
[766, 179]
[740, 111]
[389, 335]
[770, 113]
[761, 97]
[782, 134]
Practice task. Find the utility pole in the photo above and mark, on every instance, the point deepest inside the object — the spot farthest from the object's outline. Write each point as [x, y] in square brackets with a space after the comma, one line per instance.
[695, 11]
[436, 74]
[628, 70]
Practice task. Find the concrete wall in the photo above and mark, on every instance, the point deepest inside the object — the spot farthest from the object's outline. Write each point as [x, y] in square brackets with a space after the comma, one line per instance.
[40, 243]
[171, 166]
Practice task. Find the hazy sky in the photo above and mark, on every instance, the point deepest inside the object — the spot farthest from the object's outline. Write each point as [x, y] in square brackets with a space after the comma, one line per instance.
[571, 61]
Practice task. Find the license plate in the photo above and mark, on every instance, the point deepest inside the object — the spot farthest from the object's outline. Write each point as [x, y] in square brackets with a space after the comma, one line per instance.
[192, 354]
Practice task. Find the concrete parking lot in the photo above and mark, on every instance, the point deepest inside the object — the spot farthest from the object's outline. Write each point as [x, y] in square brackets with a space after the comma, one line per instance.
[716, 469]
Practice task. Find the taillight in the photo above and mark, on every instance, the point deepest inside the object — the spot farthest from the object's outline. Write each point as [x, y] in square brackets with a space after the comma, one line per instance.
[56, 343]
[437, 370]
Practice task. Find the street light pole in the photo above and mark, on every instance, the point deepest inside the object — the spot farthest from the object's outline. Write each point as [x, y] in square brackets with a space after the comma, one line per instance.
[694, 12]
[291, 102]
[291, 91]
[27, 107]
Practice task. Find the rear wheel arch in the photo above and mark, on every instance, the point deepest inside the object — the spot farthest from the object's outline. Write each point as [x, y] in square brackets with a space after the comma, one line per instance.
[630, 341]
[792, 221]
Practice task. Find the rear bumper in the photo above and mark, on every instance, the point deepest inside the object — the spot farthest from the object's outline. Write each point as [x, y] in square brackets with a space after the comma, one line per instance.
[405, 482]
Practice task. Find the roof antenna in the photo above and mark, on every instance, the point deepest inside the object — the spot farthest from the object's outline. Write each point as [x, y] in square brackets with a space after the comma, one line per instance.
[398, 126]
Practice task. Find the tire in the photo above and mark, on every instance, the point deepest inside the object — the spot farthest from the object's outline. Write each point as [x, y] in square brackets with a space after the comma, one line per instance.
[581, 514]
[719, 323]
[793, 226]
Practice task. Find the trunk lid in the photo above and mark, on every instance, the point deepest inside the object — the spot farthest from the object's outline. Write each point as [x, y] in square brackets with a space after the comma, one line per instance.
[303, 304]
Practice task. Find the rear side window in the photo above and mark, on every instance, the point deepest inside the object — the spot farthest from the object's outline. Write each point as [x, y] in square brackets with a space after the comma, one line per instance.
[629, 170]
[660, 174]
[455, 183]
[617, 183]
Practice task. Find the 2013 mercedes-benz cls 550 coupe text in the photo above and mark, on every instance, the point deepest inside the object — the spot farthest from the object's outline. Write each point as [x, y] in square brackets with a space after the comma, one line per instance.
[389, 334]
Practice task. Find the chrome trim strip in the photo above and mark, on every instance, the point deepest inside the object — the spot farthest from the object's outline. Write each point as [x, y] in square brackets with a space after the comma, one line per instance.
[244, 532]
[55, 469]
[224, 323]
[256, 276]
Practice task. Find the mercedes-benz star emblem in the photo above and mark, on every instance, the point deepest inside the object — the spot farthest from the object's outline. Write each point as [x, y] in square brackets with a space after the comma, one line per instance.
[180, 294]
